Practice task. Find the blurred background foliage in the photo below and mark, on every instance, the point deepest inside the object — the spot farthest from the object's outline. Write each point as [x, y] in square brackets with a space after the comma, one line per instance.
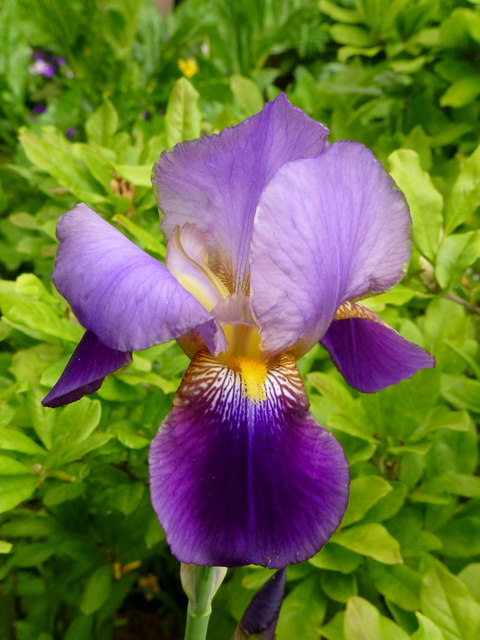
[91, 91]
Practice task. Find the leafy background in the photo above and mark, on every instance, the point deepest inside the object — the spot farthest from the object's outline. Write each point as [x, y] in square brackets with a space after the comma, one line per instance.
[82, 555]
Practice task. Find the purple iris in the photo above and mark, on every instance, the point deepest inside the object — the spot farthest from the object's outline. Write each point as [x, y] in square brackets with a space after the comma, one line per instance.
[273, 236]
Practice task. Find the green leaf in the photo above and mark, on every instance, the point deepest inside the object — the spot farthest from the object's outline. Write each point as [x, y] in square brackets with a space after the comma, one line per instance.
[338, 586]
[102, 124]
[97, 590]
[470, 576]
[351, 35]
[139, 175]
[149, 241]
[459, 484]
[398, 583]
[247, 93]
[462, 392]
[338, 13]
[464, 197]
[333, 557]
[399, 295]
[39, 317]
[371, 540]
[11, 467]
[460, 538]
[51, 153]
[5, 547]
[424, 201]
[302, 612]
[462, 92]
[457, 253]
[14, 490]
[18, 441]
[427, 630]
[363, 621]
[126, 434]
[365, 491]
[76, 422]
[449, 604]
[97, 164]
[183, 116]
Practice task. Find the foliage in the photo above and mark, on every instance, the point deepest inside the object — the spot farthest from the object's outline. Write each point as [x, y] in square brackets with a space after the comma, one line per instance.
[82, 553]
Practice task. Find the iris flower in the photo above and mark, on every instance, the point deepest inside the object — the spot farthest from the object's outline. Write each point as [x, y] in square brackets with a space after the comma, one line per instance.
[272, 238]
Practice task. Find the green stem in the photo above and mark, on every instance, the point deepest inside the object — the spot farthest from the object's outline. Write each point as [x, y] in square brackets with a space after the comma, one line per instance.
[199, 609]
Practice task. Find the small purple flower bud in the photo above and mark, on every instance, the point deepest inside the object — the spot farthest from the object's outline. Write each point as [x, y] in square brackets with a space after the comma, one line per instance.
[146, 115]
[60, 60]
[70, 132]
[261, 615]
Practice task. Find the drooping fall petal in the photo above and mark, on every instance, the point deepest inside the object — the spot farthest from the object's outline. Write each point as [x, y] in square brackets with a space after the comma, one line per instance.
[90, 363]
[236, 481]
[328, 229]
[369, 354]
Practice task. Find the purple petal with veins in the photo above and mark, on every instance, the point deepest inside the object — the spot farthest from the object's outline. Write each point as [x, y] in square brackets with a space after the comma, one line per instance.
[328, 229]
[216, 181]
[123, 295]
[90, 363]
[238, 482]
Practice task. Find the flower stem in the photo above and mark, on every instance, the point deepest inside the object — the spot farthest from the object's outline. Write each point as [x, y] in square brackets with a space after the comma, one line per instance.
[200, 607]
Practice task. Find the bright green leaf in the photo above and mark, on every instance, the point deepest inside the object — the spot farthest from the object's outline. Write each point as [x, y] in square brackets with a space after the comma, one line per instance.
[424, 201]
[247, 93]
[449, 604]
[365, 491]
[371, 540]
[183, 116]
[14, 490]
[97, 590]
[363, 621]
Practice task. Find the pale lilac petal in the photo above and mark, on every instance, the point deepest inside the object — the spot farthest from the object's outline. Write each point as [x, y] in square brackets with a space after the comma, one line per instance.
[328, 229]
[235, 482]
[216, 181]
[85, 371]
[372, 356]
[127, 298]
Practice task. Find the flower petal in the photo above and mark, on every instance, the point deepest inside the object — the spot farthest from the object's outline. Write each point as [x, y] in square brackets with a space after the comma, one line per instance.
[216, 181]
[237, 482]
[85, 371]
[371, 355]
[328, 229]
[127, 298]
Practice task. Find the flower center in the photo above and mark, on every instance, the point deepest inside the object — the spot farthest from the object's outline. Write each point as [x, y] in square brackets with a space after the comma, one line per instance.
[254, 374]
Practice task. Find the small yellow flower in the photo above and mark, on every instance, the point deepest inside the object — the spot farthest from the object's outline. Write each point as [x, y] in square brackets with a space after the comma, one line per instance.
[188, 66]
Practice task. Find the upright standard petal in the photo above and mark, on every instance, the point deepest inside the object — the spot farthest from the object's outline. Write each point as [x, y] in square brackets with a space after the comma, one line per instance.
[369, 354]
[90, 363]
[341, 230]
[127, 298]
[216, 181]
[237, 481]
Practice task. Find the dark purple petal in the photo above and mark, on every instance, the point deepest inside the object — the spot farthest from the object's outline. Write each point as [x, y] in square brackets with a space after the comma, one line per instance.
[85, 371]
[372, 356]
[262, 613]
[328, 229]
[238, 482]
[216, 181]
[127, 298]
